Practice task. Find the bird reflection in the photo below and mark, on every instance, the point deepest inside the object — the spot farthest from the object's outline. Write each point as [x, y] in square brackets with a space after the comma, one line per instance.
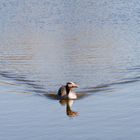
[69, 111]
[67, 102]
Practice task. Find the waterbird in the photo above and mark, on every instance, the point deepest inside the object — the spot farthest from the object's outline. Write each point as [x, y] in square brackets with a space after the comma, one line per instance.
[66, 91]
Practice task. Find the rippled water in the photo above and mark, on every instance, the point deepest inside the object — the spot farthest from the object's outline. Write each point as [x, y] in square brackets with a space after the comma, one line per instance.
[44, 44]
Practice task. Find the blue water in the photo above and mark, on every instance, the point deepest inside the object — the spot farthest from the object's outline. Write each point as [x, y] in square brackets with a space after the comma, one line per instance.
[44, 44]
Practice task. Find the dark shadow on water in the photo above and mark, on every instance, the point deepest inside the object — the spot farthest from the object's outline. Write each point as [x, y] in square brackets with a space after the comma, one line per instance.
[20, 79]
[107, 87]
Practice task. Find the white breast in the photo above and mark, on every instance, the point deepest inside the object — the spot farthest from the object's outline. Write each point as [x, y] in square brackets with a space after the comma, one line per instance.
[72, 95]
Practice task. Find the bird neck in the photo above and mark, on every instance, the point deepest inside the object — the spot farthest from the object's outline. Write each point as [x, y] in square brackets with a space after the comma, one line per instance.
[67, 90]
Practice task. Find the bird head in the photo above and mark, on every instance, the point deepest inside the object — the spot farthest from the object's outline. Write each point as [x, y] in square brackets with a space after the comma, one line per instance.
[71, 85]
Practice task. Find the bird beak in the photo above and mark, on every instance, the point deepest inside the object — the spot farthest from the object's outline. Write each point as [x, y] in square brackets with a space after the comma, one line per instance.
[75, 86]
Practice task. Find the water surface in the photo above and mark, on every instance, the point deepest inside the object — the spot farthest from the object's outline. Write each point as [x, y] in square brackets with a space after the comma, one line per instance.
[44, 44]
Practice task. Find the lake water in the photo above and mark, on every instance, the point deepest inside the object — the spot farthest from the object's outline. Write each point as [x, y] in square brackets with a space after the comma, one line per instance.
[44, 44]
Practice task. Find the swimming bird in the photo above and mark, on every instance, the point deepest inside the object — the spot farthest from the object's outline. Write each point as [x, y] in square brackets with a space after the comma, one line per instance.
[66, 91]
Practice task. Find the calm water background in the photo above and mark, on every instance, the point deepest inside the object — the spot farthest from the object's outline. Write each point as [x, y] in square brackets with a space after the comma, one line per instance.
[44, 44]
